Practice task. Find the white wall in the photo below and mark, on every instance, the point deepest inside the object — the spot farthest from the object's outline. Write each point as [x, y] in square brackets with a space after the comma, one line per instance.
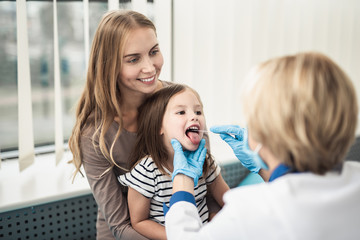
[216, 42]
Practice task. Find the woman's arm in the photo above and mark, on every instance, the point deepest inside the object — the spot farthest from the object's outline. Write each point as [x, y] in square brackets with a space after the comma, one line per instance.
[218, 188]
[108, 194]
[139, 208]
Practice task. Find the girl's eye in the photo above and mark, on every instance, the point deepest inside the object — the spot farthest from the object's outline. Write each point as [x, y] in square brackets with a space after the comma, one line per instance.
[181, 112]
[198, 112]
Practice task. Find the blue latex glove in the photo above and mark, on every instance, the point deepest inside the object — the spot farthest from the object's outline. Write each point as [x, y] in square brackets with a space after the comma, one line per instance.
[188, 163]
[239, 144]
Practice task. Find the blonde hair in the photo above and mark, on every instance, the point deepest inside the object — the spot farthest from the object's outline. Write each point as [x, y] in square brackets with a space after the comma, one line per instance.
[304, 109]
[101, 97]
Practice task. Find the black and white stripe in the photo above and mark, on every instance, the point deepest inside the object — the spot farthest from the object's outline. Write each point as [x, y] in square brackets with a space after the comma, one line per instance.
[147, 179]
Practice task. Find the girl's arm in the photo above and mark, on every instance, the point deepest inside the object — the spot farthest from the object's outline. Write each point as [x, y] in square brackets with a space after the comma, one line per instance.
[139, 208]
[217, 189]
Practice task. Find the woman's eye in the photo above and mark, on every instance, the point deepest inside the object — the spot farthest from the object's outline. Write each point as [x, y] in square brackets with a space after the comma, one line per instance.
[133, 60]
[154, 52]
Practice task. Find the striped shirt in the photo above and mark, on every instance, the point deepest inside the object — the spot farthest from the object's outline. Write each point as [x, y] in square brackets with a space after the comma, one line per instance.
[147, 179]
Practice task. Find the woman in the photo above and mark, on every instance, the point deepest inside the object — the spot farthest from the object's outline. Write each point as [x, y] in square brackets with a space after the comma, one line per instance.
[124, 67]
[301, 113]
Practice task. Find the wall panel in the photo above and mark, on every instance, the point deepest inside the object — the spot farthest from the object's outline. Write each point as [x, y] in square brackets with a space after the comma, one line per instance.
[217, 42]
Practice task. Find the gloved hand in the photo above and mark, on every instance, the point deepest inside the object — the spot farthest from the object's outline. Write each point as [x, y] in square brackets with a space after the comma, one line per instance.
[188, 163]
[239, 144]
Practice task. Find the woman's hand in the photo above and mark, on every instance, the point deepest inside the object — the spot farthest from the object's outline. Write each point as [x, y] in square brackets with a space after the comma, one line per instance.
[188, 163]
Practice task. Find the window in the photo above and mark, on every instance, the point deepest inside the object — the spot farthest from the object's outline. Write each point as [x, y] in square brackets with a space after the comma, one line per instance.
[41, 53]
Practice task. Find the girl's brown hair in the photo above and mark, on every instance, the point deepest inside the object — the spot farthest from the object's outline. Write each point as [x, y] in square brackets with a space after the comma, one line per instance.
[149, 141]
[101, 97]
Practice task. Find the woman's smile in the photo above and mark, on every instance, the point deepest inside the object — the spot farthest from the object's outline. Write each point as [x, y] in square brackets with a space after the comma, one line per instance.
[149, 80]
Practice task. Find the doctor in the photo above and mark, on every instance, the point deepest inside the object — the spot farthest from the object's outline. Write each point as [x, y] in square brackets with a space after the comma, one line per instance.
[301, 112]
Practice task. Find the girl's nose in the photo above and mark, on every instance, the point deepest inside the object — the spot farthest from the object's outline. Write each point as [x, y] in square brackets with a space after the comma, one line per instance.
[194, 117]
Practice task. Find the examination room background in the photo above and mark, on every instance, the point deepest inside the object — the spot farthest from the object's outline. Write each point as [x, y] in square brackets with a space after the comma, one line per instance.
[208, 44]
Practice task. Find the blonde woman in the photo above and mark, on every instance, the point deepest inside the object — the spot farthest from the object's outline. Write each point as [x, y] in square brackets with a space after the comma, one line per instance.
[124, 67]
[301, 113]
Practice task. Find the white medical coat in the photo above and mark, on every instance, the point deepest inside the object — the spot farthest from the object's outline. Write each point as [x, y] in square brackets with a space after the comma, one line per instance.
[295, 206]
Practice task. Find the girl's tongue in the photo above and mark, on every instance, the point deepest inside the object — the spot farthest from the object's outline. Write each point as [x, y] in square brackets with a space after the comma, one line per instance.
[194, 137]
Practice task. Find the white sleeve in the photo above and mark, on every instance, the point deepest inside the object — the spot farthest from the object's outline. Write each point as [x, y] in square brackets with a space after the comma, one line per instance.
[183, 222]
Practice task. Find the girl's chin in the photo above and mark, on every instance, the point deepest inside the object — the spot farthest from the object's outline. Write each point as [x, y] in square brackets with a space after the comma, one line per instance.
[190, 148]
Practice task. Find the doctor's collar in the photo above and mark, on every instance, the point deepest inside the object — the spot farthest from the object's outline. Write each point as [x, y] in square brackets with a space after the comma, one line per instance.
[283, 169]
[280, 171]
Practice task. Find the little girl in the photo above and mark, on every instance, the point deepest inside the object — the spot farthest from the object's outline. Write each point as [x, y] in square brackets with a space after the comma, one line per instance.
[176, 112]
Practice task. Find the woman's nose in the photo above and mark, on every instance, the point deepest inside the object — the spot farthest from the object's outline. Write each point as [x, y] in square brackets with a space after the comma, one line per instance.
[148, 65]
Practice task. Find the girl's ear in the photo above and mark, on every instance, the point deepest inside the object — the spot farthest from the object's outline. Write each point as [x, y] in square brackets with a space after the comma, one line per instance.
[161, 131]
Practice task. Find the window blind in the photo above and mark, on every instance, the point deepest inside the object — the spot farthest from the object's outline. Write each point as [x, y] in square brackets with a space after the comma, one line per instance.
[140, 6]
[25, 122]
[59, 136]
[160, 12]
[86, 32]
[113, 4]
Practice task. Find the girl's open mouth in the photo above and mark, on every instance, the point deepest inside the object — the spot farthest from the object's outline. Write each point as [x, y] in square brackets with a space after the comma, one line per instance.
[193, 133]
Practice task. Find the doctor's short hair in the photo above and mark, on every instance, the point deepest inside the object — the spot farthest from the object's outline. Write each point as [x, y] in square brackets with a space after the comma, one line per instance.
[303, 108]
